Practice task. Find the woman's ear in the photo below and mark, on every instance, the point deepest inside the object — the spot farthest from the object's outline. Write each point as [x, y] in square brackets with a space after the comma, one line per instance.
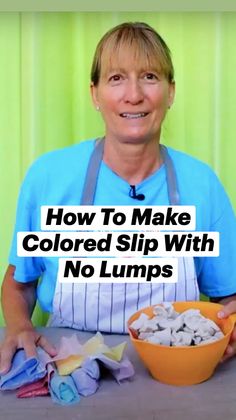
[171, 94]
[94, 95]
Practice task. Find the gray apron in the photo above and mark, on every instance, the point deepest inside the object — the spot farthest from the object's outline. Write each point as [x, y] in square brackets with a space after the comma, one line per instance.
[107, 307]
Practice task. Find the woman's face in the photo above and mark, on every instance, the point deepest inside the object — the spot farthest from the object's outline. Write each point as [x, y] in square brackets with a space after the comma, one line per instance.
[133, 100]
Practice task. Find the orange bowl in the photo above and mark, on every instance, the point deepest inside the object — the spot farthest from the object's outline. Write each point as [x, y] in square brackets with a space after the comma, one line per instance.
[186, 365]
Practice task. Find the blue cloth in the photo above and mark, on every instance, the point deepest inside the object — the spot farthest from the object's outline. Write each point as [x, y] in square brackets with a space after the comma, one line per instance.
[91, 367]
[63, 390]
[57, 178]
[86, 377]
[85, 384]
[23, 371]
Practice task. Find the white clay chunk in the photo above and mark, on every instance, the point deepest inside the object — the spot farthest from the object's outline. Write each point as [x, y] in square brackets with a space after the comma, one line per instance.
[171, 328]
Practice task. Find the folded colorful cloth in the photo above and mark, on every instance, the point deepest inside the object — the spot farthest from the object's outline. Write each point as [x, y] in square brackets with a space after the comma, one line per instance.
[111, 357]
[94, 349]
[116, 353]
[68, 365]
[35, 389]
[120, 370]
[70, 355]
[91, 367]
[97, 346]
[23, 371]
[86, 377]
[63, 390]
[85, 384]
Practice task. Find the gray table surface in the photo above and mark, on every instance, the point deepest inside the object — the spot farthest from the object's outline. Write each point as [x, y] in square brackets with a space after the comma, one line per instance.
[142, 398]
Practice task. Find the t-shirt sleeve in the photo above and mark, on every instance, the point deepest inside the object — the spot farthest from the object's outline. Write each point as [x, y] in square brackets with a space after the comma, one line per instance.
[217, 277]
[27, 268]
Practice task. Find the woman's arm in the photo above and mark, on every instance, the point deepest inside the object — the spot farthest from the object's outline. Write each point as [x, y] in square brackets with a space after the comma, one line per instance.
[18, 302]
[21, 297]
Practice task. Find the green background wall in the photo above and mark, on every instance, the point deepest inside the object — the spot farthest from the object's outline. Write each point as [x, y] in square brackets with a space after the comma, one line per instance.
[45, 63]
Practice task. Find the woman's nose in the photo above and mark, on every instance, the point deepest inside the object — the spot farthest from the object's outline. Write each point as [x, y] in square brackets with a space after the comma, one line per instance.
[133, 92]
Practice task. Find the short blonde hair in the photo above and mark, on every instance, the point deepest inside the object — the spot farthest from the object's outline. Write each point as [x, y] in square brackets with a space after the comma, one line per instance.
[141, 40]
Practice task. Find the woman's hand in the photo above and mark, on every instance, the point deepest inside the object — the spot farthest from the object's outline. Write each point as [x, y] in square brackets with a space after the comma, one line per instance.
[27, 339]
[18, 301]
[229, 308]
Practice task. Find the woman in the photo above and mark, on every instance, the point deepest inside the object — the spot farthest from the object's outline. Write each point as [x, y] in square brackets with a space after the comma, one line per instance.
[132, 85]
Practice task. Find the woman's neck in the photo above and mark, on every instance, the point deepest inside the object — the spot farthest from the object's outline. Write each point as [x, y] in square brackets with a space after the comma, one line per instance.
[132, 162]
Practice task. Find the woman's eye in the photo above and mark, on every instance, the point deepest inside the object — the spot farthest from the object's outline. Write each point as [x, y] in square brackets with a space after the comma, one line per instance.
[115, 78]
[150, 76]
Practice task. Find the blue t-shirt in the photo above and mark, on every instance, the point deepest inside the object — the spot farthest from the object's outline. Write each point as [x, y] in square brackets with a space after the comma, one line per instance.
[57, 178]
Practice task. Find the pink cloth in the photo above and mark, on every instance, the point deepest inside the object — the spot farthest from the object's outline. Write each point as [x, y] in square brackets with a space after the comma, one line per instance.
[36, 389]
[67, 346]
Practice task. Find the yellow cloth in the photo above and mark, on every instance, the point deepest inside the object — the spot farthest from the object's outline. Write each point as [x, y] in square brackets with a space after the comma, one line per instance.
[116, 352]
[68, 365]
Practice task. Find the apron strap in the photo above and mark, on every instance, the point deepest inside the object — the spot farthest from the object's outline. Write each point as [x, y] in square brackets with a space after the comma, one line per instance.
[171, 178]
[91, 177]
[94, 167]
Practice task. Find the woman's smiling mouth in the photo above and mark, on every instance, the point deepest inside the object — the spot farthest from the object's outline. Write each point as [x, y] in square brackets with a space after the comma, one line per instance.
[134, 115]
